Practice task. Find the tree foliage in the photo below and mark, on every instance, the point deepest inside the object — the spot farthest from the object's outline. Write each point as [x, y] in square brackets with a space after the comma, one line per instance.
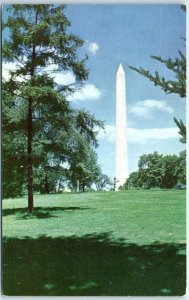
[177, 66]
[36, 111]
[182, 130]
[102, 181]
[158, 171]
[175, 86]
[84, 169]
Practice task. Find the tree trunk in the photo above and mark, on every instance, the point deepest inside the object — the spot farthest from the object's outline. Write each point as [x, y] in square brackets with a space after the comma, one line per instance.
[46, 185]
[30, 168]
[83, 187]
[77, 186]
[30, 133]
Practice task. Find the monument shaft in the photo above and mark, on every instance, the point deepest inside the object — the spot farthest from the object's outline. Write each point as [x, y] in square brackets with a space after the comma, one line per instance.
[121, 129]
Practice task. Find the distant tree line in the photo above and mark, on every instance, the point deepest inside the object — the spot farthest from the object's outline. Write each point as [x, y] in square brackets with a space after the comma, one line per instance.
[158, 171]
[82, 173]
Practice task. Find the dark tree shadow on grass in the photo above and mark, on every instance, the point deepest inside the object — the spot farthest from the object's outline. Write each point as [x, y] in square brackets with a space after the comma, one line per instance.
[92, 265]
[39, 212]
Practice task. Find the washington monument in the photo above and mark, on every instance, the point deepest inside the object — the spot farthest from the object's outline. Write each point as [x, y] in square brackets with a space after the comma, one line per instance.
[121, 129]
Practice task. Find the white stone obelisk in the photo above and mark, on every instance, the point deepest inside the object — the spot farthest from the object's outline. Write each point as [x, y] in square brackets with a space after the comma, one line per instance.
[121, 129]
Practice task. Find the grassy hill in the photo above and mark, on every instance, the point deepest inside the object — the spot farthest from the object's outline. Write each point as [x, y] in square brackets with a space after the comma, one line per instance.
[102, 243]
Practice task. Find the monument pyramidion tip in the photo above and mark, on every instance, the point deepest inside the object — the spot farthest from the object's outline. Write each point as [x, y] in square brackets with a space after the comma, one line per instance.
[120, 69]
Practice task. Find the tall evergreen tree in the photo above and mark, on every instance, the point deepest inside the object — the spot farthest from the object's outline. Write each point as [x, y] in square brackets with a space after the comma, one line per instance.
[39, 43]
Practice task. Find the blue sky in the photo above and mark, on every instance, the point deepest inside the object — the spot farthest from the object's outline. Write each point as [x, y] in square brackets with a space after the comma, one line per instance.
[129, 34]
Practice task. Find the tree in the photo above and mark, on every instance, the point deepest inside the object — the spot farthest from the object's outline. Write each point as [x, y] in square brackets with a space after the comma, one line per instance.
[132, 181]
[13, 158]
[48, 178]
[84, 168]
[170, 175]
[150, 170]
[13, 171]
[178, 66]
[39, 43]
[181, 167]
[176, 86]
[102, 181]
[182, 130]
[157, 170]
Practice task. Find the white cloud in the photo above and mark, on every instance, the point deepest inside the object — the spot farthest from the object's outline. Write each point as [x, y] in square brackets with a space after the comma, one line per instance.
[87, 92]
[50, 68]
[145, 108]
[12, 66]
[64, 78]
[151, 134]
[136, 135]
[65, 165]
[92, 47]
[6, 67]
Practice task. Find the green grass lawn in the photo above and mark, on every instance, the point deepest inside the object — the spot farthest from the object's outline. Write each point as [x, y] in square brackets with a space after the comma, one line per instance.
[103, 243]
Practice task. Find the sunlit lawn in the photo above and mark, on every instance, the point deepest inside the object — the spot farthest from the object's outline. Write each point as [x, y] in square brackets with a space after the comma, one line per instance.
[105, 243]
